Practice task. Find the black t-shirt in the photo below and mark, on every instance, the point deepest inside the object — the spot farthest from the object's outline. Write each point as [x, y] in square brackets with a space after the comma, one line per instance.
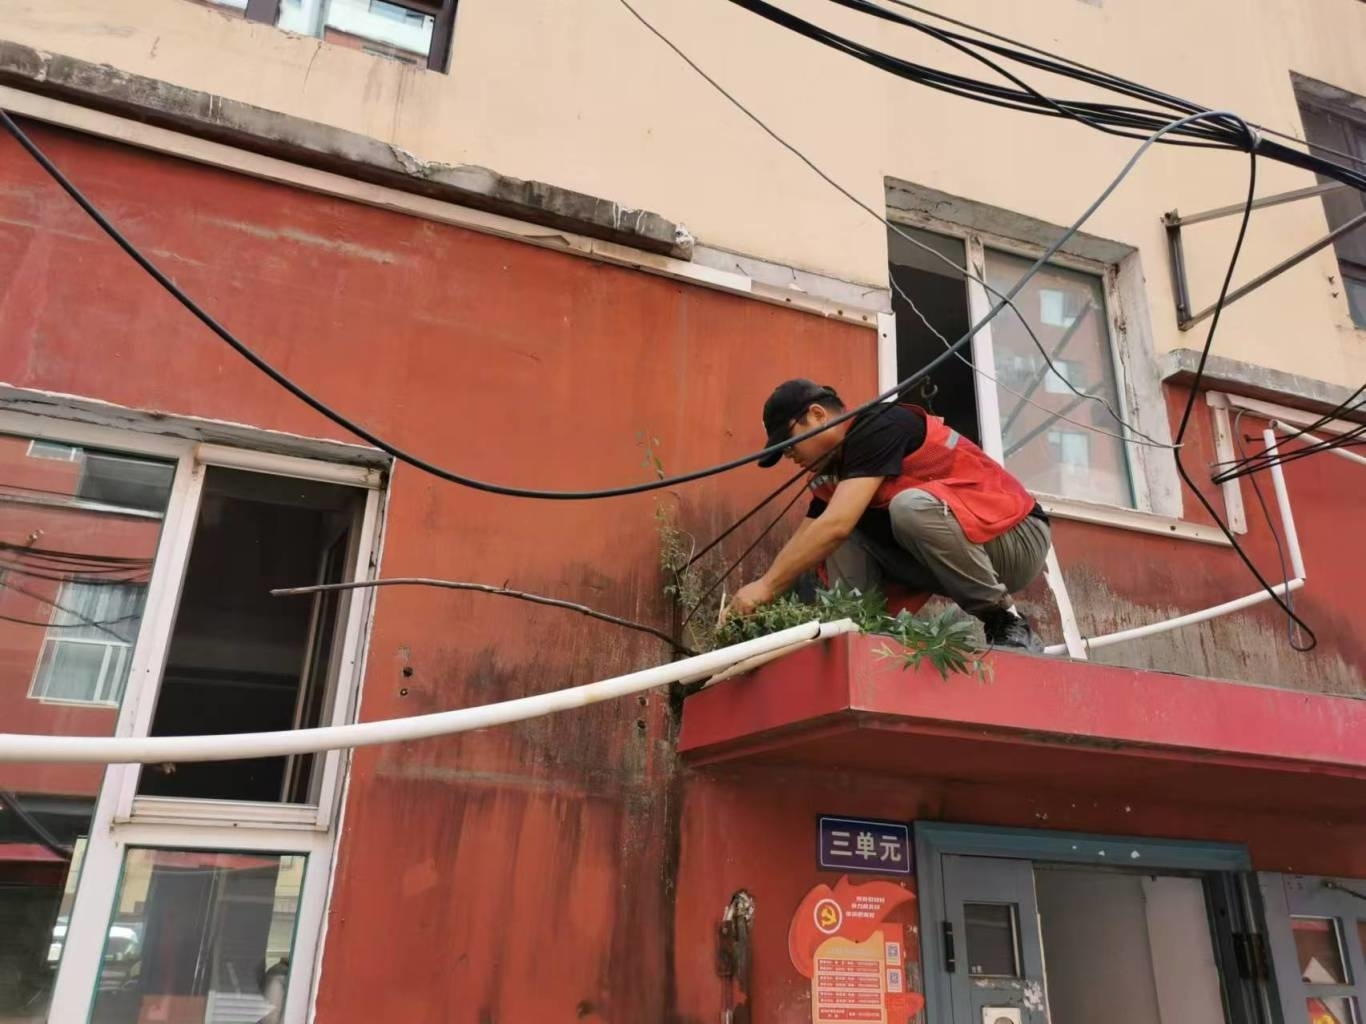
[876, 444]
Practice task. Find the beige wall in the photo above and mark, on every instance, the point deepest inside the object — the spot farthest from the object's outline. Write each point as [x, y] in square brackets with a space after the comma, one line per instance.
[578, 94]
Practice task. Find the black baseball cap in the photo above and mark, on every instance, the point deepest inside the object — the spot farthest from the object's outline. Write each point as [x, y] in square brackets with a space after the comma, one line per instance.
[789, 402]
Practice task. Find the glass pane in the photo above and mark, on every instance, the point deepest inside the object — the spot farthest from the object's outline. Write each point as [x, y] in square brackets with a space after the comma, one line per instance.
[1332, 1011]
[126, 482]
[72, 581]
[1066, 309]
[991, 940]
[199, 937]
[382, 28]
[1356, 298]
[70, 671]
[1320, 950]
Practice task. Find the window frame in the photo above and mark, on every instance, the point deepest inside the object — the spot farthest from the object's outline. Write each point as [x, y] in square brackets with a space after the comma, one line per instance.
[122, 820]
[1336, 104]
[443, 31]
[1154, 488]
[1287, 896]
[51, 637]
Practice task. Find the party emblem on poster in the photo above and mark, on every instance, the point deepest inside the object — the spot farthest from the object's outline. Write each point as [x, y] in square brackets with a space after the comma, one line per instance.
[853, 941]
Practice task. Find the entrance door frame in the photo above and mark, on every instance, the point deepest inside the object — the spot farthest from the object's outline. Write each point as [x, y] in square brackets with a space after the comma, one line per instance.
[935, 839]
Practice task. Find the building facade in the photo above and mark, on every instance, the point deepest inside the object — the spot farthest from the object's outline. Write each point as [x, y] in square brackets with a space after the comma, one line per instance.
[527, 242]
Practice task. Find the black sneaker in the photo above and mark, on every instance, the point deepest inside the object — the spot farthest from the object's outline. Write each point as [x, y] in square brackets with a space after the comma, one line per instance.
[1009, 629]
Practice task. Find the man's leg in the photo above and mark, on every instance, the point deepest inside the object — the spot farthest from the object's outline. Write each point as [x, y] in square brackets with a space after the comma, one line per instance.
[1018, 555]
[854, 565]
[980, 578]
[924, 526]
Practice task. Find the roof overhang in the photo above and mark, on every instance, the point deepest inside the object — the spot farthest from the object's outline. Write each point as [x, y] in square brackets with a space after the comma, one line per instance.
[1039, 721]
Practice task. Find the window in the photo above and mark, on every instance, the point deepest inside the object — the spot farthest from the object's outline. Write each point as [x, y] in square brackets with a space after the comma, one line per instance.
[1336, 121]
[85, 654]
[76, 555]
[411, 31]
[1318, 946]
[135, 579]
[240, 660]
[1035, 418]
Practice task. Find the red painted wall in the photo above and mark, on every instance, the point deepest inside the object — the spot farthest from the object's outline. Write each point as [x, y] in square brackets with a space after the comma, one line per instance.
[534, 867]
[755, 828]
[540, 871]
[26, 603]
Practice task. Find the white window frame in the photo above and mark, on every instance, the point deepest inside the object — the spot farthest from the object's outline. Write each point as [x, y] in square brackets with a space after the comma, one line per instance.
[1157, 506]
[122, 819]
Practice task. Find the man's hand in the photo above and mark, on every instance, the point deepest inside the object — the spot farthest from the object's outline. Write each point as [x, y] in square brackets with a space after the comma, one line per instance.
[749, 597]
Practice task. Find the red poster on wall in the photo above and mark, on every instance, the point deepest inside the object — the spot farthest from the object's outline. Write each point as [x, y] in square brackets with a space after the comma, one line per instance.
[854, 941]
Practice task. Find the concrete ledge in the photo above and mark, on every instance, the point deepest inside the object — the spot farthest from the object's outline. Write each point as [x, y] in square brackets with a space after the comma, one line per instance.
[332, 149]
[1253, 381]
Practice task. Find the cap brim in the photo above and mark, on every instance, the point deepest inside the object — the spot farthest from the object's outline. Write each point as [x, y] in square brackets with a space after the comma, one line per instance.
[769, 461]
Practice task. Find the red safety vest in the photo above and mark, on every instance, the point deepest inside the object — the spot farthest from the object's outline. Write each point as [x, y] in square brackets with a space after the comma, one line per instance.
[985, 499]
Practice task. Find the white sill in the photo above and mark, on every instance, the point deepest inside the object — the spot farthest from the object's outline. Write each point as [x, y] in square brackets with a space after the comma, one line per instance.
[1130, 519]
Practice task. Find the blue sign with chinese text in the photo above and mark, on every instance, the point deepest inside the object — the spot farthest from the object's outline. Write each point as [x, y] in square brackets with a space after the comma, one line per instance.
[863, 844]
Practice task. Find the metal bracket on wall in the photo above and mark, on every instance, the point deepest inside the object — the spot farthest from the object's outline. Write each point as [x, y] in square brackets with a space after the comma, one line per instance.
[1185, 318]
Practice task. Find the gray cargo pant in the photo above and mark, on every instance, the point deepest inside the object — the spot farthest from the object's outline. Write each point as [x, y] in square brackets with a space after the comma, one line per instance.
[932, 555]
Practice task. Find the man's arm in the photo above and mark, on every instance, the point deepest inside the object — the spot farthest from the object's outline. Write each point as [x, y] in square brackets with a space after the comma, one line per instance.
[813, 542]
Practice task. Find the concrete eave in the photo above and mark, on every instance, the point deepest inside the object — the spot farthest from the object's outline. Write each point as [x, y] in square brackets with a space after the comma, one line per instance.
[1052, 723]
[1253, 381]
[258, 130]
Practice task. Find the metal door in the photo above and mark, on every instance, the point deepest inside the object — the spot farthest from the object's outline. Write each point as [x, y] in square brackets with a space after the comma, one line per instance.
[990, 945]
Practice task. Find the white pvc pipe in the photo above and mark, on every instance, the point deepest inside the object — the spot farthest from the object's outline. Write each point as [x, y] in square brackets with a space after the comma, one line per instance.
[1153, 628]
[1072, 643]
[1292, 536]
[1312, 439]
[1292, 543]
[238, 746]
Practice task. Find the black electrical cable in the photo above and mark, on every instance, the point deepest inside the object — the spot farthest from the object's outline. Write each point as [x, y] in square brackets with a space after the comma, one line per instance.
[984, 91]
[1238, 440]
[1105, 78]
[85, 619]
[1225, 131]
[68, 625]
[364, 433]
[35, 827]
[1251, 143]
[951, 40]
[1195, 390]
[1346, 406]
[403, 456]
[697, 555]
[1264, 459]
[735, 564]
[75, 556]
[73, 576]
[1351, 439]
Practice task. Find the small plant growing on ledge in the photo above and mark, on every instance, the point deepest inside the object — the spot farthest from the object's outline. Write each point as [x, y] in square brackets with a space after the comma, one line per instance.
[946, 641]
